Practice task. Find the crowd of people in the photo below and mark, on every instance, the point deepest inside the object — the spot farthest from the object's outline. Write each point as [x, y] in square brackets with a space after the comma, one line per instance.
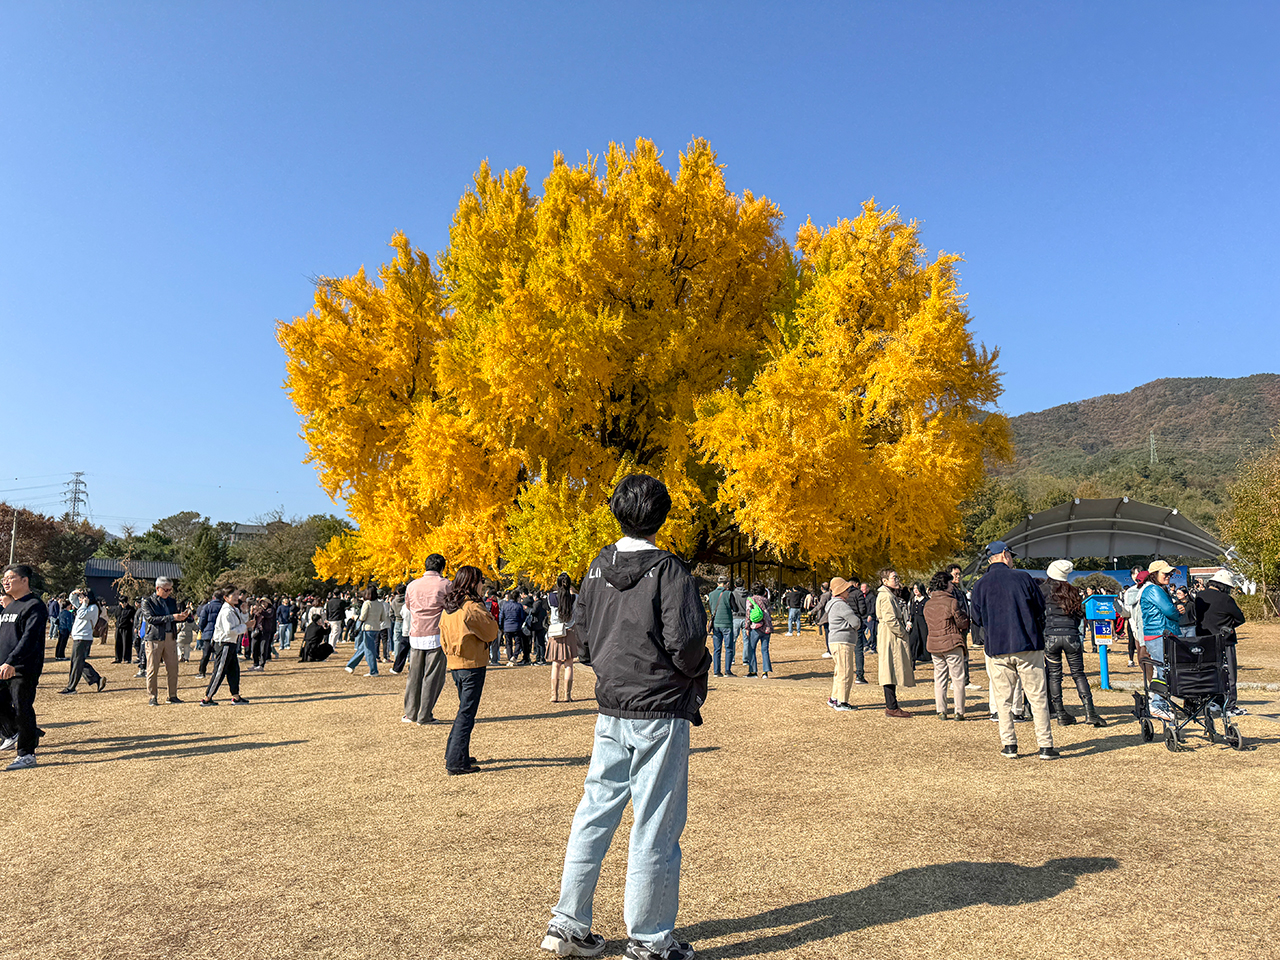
[640, 621]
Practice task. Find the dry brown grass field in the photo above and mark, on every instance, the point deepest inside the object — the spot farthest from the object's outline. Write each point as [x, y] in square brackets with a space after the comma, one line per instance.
[312, 823]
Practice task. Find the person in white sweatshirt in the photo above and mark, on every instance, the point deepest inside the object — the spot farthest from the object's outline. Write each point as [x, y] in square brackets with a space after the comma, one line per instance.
[227, 633]
[87, 612]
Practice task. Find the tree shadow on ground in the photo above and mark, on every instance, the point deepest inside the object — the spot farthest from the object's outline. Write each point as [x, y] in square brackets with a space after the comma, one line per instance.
[494, 764]
[156, 747]
[314, 697]
[904, 895]
[522, 763]
[543, 716]
[812, 675]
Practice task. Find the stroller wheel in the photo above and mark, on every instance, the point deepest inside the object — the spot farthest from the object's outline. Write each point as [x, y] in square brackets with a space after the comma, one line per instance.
[1209, 730]
[1171, 741]
[1148, 731]
[1234, 737]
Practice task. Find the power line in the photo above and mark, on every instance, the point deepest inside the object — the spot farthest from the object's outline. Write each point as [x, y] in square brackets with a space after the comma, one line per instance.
[39, 486]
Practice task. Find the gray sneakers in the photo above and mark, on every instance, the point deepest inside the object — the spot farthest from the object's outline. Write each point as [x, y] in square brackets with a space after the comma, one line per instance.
[564, 944]
[24, 762]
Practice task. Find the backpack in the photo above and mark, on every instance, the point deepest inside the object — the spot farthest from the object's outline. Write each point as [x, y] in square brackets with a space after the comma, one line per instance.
[754, 613]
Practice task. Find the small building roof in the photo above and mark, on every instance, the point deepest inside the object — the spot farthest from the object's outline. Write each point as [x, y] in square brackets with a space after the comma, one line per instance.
[142, 569]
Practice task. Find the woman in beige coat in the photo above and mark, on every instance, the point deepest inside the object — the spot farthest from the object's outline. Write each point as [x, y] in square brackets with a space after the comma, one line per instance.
[891, 638]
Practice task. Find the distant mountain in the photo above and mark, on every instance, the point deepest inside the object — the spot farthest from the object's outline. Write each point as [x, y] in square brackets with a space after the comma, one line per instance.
[1201, 427]
[1214, 419]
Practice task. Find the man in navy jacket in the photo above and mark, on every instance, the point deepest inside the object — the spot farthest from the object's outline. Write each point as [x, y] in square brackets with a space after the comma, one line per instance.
[208, 619]
[1009, 607]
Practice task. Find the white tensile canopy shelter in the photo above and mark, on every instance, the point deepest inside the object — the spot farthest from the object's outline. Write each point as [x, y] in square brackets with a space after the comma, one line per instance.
[1117, 527]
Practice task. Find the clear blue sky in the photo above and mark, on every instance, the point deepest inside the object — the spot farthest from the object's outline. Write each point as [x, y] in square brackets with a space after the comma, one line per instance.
[172, 176]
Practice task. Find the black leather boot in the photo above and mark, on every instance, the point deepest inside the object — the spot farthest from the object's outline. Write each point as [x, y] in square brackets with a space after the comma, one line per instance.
[1091, 714]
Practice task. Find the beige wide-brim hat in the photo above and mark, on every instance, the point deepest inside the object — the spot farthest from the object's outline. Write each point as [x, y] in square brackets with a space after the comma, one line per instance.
[1061, 569]
[1159, 566]
[839, 585]
[1223, 577]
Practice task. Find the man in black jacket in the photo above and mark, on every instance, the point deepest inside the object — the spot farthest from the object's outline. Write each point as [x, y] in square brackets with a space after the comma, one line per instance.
[640, 611]
[22, 628]
[208, 619]
[1218, 615]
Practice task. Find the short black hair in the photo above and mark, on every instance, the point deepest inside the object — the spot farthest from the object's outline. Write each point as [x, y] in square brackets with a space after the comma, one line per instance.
[19, 570]
[434, 563]
[641, 504]
[954, 566]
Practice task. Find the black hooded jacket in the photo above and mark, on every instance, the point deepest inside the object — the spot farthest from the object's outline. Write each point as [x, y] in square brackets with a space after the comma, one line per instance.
[1217, 614]
[640, 615]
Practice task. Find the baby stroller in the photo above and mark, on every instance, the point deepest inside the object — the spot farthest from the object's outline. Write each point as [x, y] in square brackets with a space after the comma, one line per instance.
[1196, 675]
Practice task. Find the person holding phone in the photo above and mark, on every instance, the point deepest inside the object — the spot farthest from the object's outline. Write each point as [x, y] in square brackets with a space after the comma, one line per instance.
[160, 614]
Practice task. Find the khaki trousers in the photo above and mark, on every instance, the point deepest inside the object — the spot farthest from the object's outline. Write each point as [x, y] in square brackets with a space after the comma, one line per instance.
[948, 670]
[166, 650]
[842, 680]
[1004, 673]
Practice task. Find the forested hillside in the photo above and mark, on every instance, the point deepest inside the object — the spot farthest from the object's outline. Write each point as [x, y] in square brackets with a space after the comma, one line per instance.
[1199, 427]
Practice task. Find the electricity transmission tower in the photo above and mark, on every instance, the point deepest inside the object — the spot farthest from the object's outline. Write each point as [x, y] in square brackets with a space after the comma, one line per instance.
[75, 495]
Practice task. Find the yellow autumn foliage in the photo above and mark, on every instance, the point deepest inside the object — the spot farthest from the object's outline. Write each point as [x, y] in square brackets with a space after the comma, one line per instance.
[860, 437]
[829, 402]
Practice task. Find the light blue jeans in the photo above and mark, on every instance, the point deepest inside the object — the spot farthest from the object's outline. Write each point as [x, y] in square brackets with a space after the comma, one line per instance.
[749, 658]
[793, 620]
[367, 647]
[1155, 650]
[646, 762]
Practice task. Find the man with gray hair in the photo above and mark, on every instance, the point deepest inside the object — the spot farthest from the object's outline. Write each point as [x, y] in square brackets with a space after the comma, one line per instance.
[160, 611]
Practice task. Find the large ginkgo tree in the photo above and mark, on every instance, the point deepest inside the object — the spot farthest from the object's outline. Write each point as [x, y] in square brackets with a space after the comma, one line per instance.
[823, 404]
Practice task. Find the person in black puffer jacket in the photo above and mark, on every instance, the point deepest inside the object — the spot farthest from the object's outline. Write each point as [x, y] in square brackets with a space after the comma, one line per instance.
[1063, 614]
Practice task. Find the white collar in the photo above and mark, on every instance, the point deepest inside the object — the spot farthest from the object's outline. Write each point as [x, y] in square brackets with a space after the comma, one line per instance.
[633, 545]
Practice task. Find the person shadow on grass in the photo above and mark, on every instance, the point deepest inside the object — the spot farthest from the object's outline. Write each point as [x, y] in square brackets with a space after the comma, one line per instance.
[900, 896]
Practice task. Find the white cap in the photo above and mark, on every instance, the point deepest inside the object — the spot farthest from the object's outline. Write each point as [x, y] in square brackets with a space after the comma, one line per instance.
[1223, 576]
[1061, 569]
